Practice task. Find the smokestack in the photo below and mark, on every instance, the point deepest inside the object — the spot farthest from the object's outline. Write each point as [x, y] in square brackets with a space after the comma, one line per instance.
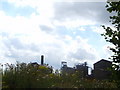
[42, 59]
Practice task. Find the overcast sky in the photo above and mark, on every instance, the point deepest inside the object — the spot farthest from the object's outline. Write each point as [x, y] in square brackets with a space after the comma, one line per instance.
[61, 31]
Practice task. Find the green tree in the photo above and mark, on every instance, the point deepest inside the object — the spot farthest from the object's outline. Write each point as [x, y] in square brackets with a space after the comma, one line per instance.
[112, 35]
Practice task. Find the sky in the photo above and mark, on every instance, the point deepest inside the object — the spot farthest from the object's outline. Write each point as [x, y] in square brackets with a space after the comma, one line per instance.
[66, 30]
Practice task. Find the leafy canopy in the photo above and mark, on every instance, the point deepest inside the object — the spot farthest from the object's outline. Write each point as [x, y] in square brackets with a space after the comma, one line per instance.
[112, 35]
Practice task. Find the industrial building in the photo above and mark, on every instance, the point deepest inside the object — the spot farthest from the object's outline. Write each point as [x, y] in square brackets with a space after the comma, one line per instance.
[66, 69]
[35, 64]
[82, 68]
[101, 69]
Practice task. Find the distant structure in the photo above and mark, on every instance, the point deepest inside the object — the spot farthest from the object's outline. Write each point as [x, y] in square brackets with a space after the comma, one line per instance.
[65, 69]
[42, 59]
[34, 64]
[101, 69]
[82, 68]
[63, 64]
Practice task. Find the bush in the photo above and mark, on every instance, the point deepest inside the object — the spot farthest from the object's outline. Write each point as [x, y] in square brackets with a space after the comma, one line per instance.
[30, 75]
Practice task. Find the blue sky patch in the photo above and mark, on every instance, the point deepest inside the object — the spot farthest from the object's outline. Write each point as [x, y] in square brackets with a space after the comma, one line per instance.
[12, 10]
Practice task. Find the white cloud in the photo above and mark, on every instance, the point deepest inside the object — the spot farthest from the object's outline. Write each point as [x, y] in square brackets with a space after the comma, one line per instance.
[85, 13]
[80, 51]
[73, 23]
[98, 29]
[82, 29]
[43, 7]
[22, 38]
[106, 50]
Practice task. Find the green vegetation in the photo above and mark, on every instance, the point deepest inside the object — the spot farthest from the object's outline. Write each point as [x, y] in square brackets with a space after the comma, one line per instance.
[30, 75]
[24, 75]
[112, 35]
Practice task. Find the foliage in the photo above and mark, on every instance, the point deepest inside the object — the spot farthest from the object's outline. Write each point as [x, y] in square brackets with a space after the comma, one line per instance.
[113, 36]
[24, 75]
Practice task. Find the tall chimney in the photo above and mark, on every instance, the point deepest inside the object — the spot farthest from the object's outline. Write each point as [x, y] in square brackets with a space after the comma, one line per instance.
[42, 59]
